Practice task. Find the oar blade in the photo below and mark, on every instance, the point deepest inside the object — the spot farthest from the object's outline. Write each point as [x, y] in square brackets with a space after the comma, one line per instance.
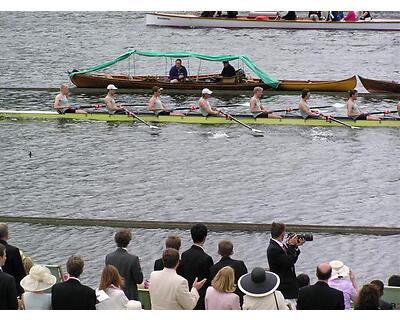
[257, 133]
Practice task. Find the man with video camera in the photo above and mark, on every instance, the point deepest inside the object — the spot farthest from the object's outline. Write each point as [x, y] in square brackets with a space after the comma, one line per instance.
[282, 257]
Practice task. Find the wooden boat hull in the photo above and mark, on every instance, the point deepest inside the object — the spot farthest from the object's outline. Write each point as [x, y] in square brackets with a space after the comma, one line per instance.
[191, 119]
[380, 86]
[192, 21]
[98, 80]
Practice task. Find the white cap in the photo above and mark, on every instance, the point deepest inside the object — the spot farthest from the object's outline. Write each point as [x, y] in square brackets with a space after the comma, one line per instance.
[205, 90]
[111, 87]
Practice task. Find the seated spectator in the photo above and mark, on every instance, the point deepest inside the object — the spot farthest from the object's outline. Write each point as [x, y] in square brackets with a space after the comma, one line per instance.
[232, 14]
[219, 295]
[343, 279]
[111, 283]
[35, 283]
[335, 16]
[170, 291]
[210, 14]
[383, 305]
[13, 264]
[260, 289]
[225, 250]
[196, 263]
[173, 242]
[303, 280]
[178, 72]
[365, 15]
[228, 70]
[71, 294]
[368, 298]
[394, 280]
[128, 265]
[290, 15]
[315, 15]
[320, 296]
[350, 17]
[8, 290]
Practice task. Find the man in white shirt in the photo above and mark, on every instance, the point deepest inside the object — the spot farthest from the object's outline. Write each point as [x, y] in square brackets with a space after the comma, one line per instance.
[170, 291]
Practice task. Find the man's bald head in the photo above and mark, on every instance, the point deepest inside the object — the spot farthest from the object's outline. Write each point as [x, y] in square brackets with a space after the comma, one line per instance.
[324, 271]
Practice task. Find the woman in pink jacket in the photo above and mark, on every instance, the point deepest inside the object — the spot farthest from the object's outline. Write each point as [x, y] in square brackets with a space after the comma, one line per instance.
[219, 295]
[350, 17]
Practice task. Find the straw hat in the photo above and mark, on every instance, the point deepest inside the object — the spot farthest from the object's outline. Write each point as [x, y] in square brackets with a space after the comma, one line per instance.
[133, 305]
[339, 269]
[259, 283]
[38, 279]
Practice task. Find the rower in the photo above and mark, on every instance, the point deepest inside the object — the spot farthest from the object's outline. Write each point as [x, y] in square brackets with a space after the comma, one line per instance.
[398, 108]
[110, 102]
[305, 111]
[61, 102]
[157, 106]
[255, 106]
[228, 70]
[204, 104]
[354, 112]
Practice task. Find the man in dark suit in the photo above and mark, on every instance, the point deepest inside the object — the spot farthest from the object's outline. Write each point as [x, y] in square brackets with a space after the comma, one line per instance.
[320, 296]
[172, 242]
[13, 264]
[71, 294]
[225, 250]
[282, 258]
[196, 263]
[8, 292]
[128, 265]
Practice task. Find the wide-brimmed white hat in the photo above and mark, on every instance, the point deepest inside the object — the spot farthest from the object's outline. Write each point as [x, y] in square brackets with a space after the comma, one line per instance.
[339, 269]
[38, 279]
[206, 90]
[133, 305]
[111, 87]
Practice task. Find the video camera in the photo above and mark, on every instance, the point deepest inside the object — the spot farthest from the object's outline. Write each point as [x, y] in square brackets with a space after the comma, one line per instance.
[304, 236]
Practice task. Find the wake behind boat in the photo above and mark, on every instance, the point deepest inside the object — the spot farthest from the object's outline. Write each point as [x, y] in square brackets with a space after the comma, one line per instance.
[266, 22]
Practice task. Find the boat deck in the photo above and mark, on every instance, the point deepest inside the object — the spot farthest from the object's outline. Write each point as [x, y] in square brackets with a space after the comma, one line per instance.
[192, 118]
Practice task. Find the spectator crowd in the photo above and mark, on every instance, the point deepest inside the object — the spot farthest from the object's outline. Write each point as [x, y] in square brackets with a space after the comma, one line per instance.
[190, 280]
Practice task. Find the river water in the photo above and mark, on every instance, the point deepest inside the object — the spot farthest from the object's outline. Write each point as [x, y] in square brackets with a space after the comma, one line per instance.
[192, 172]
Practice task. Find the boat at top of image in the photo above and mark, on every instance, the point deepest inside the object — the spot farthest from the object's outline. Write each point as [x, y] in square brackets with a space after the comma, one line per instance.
[90, 78]
[266, 22]
[380, 86]
[193, 118]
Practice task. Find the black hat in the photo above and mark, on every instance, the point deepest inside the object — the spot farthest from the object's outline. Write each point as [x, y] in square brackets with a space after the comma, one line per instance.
[225, 61]
[259, 283]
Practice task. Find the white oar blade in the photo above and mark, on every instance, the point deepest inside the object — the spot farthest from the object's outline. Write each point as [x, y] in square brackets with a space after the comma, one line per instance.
[257, 133]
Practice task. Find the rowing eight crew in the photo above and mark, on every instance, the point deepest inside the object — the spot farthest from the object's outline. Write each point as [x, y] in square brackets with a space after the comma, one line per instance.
[155, 105]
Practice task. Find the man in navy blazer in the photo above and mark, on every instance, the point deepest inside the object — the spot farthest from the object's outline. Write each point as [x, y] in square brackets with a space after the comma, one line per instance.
[195, 263]
[128, 265]
[225, 250]
[320, 296]
[13, 265]
[8, 292]
[71, 294]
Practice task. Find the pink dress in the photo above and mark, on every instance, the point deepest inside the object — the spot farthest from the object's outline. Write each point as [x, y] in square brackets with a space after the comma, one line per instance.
[216, 300]
[351, 16]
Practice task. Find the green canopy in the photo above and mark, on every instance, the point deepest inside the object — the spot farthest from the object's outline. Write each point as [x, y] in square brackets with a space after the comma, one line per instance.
[263, 76]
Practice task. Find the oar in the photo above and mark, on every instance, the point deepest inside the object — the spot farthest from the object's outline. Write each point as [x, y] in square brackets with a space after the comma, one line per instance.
[385, 112]
[255, 132]
[130, 113]
[330, 118]
[195, 107]
[296, 109]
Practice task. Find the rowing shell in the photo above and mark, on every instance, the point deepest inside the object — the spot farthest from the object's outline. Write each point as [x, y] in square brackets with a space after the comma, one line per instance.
[193, 119]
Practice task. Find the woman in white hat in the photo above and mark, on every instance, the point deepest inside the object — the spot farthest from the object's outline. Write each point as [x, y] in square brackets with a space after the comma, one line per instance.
[35, 283]
[259, 288]
[343, 279]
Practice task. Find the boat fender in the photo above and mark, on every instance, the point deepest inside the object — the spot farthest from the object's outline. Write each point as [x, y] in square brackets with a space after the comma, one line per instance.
[262, 18]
